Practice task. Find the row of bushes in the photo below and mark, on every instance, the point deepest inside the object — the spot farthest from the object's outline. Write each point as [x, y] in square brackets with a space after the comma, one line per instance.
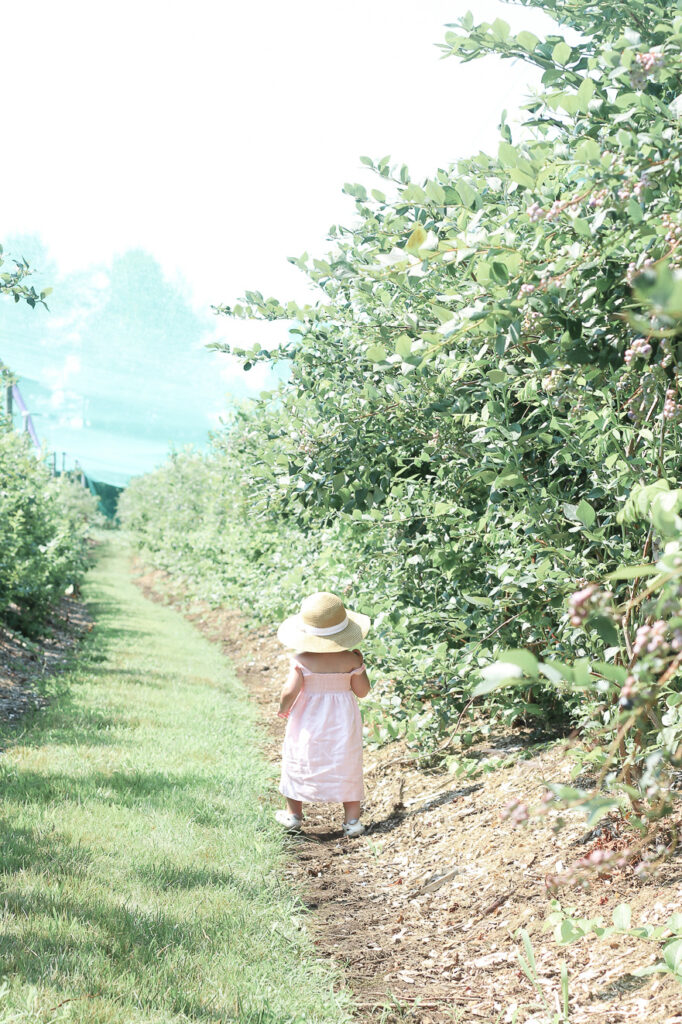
[45, 523]
[477, 410]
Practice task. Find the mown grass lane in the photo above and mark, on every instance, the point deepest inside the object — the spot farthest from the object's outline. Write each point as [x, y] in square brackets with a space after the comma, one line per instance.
[141, 874]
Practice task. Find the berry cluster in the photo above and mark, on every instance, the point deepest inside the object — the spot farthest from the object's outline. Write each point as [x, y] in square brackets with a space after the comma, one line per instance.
[627, 694]
[673, 231]
[581, 873]
[633, 270]
[536, 212]
[554, 210]
[587, 601]
[516, 811]
[639, 186]
[639, 347]
[550, 382]
[527, 289]
[649, 63]
[598, 199]
[531, 319]
[671, 407]
[651, 639]
[665, 348]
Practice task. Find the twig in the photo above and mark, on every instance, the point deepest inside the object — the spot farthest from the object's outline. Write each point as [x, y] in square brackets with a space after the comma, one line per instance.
[390, 764]
[494, 905]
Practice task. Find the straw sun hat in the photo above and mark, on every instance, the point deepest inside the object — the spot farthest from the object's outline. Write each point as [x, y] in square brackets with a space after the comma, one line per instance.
[323, 624]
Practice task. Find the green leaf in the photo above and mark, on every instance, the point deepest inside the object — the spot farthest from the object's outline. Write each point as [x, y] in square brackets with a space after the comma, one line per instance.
[476, 599]
[554, 672]
[622, 917]
[639, 502]
[528, 946]
[665, 291]
[442, 508]
[501, 671]
[500, 29]
[413, 194]
[585, 513]
[672, 954]
[498, 682]
[615, 673]
[403, 345]
[435, 192]
[588, 152]
[416, 239]
[585, 94]
[569, 102]
[568, 931]
[633, 572]
[524, 659]
[376, 353]
[499, 272]
[664, 509]
[635, 211]
[508, 481]
[507, 154]
[466, 193]
[606, 629]
[521, 177]
[561, 53]
[527, 40]
[674, 922]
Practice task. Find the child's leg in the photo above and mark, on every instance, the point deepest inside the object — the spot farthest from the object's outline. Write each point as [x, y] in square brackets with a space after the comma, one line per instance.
[295, 807]
[351, 810]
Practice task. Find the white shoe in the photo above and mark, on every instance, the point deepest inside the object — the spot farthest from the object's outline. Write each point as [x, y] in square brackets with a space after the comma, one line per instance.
[353, 828]
[291, 822]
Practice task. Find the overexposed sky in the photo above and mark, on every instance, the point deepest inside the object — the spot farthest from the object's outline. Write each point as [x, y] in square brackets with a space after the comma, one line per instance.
[162, 156]
[217, 135]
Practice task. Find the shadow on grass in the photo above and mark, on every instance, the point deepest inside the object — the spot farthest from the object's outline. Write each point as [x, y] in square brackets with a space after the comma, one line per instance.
[44, 851]
[93, 947]
[149, 677]
[168, 876]
[67, 723]
[76, 935]
[189, 795]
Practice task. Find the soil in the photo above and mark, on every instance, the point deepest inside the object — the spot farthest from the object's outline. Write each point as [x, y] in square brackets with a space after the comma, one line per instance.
[24, 663]
[422, 912]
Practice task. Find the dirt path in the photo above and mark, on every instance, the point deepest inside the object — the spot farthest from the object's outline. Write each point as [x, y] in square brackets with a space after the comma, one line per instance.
[423, 911]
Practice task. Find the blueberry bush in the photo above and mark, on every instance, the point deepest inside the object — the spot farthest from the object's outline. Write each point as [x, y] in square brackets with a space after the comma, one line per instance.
[478, 440]
[45, 526]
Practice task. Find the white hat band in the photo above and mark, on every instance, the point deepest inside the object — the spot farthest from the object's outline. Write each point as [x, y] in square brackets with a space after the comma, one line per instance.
[325, 630]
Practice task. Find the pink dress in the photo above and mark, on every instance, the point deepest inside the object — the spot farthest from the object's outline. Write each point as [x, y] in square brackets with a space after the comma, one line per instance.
[322, 750]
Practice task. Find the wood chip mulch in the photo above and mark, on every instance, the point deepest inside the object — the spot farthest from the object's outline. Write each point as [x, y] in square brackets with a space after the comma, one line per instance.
[421, 913]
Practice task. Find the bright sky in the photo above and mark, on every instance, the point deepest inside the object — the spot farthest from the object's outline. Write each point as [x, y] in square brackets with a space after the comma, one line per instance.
[214, 138]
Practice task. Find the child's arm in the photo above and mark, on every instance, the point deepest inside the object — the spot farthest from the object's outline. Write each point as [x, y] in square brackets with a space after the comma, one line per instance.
[359, 683]
[290, 691]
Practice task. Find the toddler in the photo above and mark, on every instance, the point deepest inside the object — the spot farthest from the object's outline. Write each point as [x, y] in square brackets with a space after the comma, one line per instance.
[322, 750]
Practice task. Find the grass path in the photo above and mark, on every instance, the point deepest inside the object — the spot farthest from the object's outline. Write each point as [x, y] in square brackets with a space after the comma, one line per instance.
[140, 869]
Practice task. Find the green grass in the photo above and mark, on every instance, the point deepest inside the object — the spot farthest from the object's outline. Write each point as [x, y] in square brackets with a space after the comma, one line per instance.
[141, 873]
